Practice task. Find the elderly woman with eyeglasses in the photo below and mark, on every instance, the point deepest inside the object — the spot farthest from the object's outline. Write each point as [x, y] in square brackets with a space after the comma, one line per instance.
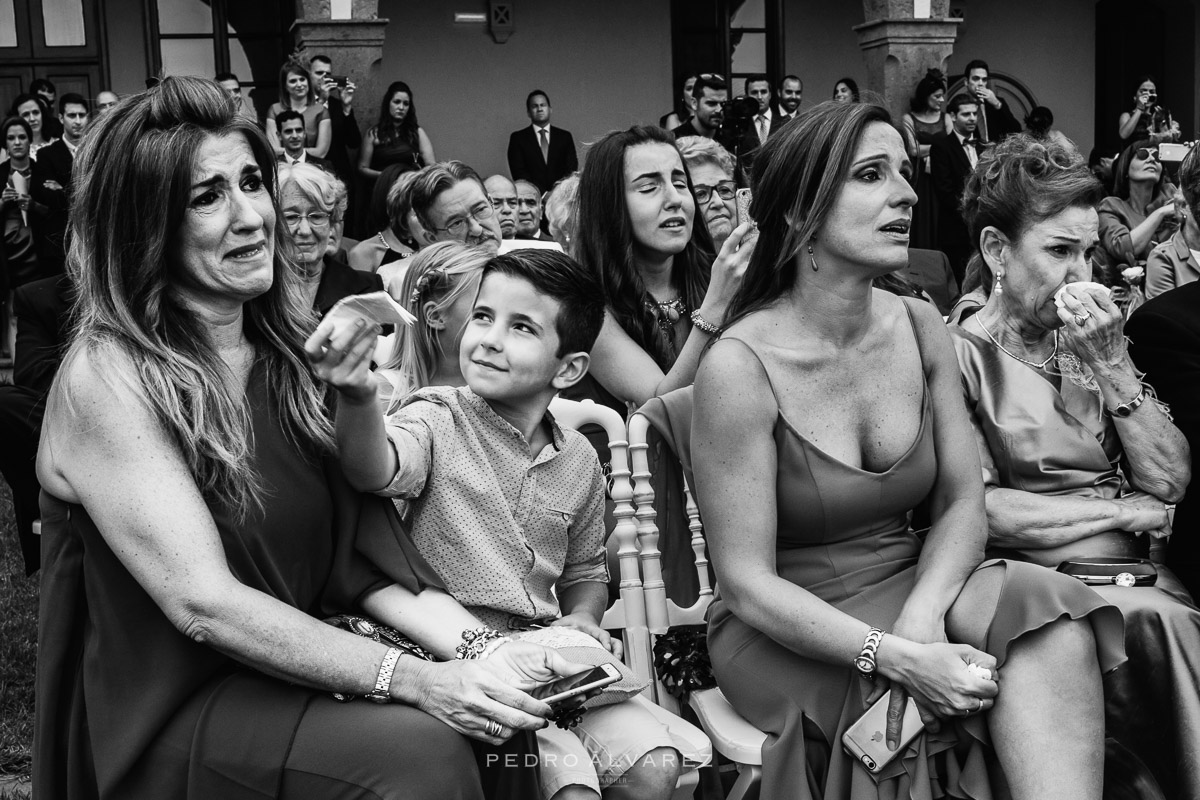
[314, 203]
[712, 170]
[1141, 213]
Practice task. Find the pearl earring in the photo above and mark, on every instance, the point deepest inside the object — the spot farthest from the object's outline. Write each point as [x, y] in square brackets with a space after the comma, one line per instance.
[998, 289]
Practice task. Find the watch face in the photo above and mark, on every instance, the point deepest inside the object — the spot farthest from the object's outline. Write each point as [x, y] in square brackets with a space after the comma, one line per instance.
[1122, 411]
[865, 665]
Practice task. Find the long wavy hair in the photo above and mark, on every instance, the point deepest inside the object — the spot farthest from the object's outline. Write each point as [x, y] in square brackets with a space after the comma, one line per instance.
[387, 130]
[133, 174]
[440, 274]
[798, 175]
[605, 241]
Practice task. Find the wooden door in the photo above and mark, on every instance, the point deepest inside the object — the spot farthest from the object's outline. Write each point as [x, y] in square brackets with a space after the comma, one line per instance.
[58, 40]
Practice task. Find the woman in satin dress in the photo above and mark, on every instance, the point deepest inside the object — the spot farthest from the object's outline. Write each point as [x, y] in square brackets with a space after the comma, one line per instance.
[1079, 459]
[824, 414]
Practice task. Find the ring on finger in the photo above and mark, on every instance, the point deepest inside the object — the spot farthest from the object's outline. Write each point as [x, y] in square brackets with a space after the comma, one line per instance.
[1082, 318]
[980, 699]
[494, 728]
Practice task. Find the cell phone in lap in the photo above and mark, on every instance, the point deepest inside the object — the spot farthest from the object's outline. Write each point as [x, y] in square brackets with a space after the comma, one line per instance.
[866, 739]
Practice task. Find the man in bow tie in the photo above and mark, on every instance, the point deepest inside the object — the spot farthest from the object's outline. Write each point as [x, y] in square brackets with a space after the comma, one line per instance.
[952, 157]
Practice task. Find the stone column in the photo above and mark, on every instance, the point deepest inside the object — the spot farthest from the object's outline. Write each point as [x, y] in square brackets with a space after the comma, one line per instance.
[355, 45]
[898, 47]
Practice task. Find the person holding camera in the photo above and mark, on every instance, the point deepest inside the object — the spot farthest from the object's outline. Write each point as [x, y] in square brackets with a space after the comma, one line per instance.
[1148, 120]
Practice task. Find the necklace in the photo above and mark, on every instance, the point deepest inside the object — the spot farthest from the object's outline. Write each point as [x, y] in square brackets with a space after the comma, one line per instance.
[385, 242]
[667, 313]
[1010, 354]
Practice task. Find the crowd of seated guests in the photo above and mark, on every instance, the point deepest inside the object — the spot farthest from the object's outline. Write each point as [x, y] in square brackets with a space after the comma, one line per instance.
[1024, 433]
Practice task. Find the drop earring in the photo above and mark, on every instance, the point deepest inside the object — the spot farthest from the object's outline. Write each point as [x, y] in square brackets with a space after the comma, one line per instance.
[812, 259]
[998, 289]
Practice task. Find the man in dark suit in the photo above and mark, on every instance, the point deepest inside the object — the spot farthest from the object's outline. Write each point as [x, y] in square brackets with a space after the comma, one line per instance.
[42, 311]
[541, 153]
[952, 156]
[291, 136]
[791, 92]
[996, 121]
[58, 159]
[529, 213]
[1165, 343]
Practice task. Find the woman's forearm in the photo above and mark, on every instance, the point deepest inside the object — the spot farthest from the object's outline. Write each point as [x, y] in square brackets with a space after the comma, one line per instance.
[1129, 123]
[1025, 520]
[952, 550]
[1158, 454]
[1143, 235]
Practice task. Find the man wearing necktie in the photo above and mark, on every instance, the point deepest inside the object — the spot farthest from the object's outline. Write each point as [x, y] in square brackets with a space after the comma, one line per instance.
[541, 153]
[952, 157]
[291, 135]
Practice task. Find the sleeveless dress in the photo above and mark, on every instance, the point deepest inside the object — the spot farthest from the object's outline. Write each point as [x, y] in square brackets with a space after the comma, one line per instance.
[1060, 442]
[924, 228]
[844, 536]
[128, 707]
[397, 151]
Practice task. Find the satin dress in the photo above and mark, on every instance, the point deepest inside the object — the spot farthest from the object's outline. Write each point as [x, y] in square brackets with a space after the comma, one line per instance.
[1060, 442]
[844, 535]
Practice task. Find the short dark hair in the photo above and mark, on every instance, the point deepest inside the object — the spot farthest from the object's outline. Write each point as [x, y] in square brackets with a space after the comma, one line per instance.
[320, 57]
[285, 115]
[8, 123]
[38, 84]
[226, 76]
[73, 99]
[558, 276]
[757, 77]
[533, 94]
[435, 179]
[958, 101]
[787, 78]
[977, 63]
[702, 83]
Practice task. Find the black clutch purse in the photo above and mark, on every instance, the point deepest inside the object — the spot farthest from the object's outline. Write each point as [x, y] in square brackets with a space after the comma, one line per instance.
[1099, 571]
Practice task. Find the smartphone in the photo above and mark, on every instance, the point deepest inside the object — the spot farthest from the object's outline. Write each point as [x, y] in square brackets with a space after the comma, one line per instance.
[866, 739]
[742, 198]
[584, 685]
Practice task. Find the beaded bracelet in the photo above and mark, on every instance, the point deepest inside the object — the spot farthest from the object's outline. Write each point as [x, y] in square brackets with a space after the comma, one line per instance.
[474, 642]
[703, 325]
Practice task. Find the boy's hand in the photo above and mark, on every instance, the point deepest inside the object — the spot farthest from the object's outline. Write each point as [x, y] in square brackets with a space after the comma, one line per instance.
[587, 624]
[340, 352]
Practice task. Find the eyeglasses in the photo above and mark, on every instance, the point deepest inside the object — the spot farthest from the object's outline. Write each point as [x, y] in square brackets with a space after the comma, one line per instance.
[724, 190]
[460, 226]
[1143, 153]
[316, 219]
[712, 76]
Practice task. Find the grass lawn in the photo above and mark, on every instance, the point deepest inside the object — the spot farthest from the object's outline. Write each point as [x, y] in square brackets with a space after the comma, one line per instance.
[18, 650]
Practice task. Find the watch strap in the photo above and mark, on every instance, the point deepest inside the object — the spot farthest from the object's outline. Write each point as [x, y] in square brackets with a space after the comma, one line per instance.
[1125, 409]
[865, 662]
[383, 683]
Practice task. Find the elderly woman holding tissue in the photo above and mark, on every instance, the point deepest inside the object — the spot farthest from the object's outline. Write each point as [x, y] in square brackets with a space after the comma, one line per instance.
[1079, 458]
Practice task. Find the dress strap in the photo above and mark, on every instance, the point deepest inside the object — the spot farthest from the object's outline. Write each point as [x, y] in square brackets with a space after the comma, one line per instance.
[916, 329]
[766, 371]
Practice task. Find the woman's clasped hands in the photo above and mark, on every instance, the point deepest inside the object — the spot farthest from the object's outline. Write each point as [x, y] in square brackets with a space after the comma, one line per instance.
[945, 680]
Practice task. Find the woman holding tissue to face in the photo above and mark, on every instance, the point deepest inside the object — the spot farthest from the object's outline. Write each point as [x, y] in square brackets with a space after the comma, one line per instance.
[1079, 459]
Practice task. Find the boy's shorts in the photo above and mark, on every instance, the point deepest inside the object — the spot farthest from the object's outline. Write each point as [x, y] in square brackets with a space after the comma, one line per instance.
[612, 739]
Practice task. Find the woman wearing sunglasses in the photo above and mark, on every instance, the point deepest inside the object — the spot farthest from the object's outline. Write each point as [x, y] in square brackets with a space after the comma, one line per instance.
[1141, 213]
